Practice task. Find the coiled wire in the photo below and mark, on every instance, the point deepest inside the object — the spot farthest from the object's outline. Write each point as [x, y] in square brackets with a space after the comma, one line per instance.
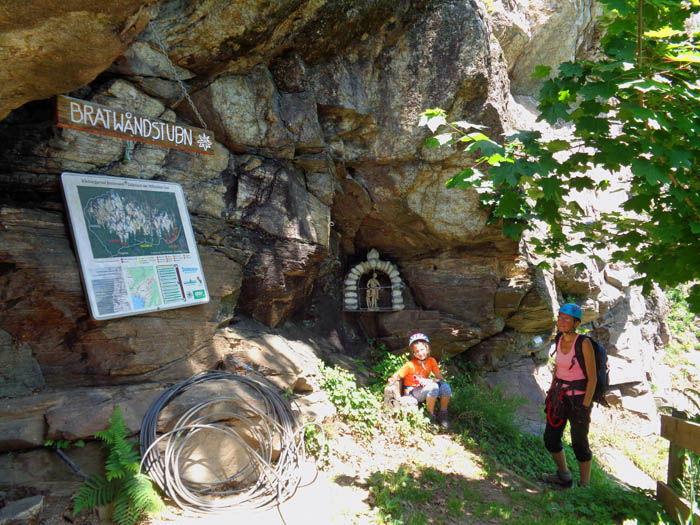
[260, 482]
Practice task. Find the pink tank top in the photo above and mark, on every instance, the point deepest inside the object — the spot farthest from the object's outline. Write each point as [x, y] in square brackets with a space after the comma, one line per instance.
[564, 370]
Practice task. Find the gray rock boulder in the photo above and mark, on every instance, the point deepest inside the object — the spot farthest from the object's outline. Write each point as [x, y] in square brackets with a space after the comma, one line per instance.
[543, 32]
[22, 512]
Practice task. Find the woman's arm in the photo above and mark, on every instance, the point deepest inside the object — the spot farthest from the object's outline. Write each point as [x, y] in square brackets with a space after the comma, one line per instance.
[591, 373]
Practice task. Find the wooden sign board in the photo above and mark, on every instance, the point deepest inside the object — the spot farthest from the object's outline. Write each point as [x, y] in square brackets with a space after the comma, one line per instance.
[88, 116]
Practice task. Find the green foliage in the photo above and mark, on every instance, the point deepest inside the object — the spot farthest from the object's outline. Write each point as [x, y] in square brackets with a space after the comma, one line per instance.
[358, 405]
[287, 393]
[685, 341]
[384, 368]
[602, 503]
[485, 421]
[409, 423]
[130, 492]
[690, 482]
[316, 444]
[650, 454]
[636, 109]
[397, 492]
[63, 443]
[414, 493]
[362, 406]
[680, 318]
[684, 326]
[483, 411]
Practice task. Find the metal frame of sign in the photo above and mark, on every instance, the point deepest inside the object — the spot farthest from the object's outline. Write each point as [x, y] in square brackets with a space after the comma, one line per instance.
[135, 245]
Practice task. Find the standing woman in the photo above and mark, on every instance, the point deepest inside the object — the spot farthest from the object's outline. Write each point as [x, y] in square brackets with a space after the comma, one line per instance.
[569, 399]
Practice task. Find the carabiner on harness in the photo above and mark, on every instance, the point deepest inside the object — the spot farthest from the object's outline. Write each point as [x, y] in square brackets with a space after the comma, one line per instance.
[557, 397]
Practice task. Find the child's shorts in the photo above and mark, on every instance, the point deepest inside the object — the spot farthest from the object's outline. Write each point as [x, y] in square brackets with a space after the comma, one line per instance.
[431, 389]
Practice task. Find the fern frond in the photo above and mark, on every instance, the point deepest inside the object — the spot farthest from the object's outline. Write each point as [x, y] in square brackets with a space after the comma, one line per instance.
[114, 469]
[115, 430]
[105, 436]
[124, 512]
[132, 468]
[126, 451]
[131, 492]
[143, 495]
[95, 491]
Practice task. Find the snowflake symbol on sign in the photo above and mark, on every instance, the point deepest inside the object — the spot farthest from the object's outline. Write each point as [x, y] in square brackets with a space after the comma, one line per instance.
[203, 141]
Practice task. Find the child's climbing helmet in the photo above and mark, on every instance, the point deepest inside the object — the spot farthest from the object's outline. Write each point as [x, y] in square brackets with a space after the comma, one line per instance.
[571, 309]
[418, 337]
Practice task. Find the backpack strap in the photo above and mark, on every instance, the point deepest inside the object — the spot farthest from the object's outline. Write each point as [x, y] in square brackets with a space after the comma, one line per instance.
[578, 358]
[578, 351]
[578, 355]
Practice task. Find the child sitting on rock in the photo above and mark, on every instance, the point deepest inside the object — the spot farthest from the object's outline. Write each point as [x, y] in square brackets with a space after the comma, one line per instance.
[417, 382]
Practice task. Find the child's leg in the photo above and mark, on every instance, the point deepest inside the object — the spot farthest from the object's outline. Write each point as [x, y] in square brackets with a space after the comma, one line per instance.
[432, 392]
[445, 394]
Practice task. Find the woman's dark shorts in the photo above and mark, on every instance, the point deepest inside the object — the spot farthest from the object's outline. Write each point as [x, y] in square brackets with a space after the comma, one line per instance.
[579, 418]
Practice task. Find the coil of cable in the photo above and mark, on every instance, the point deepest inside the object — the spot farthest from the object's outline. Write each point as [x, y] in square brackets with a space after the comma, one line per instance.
[268, 435]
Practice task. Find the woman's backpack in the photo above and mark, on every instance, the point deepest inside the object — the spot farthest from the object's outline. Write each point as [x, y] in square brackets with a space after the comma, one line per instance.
[601, 365]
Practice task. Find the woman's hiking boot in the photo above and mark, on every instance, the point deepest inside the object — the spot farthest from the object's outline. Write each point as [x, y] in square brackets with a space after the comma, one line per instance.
[561, 479]
[442, 419]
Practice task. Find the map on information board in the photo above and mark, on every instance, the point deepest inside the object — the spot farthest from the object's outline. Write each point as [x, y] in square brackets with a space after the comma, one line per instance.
[125, 223]
[135, 244]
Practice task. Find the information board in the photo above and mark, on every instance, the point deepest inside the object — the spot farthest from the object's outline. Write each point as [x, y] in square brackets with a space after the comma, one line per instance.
[135, 245]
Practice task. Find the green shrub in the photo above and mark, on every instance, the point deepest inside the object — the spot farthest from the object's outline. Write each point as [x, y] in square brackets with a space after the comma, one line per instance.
[131, 493]
[683, 324]
[385, 368]
[409, 423]
[59, 444]
[690, 482]
[358, 405]
[483, 411]
[396, 493]
[317, 444]
[605, 502]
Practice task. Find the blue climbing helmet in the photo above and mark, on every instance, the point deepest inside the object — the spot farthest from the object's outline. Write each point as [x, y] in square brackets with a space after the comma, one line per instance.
[571, 309]
[418, 337]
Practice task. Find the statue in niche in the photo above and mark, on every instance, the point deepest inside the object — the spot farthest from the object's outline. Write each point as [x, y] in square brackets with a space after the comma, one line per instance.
[372, 295]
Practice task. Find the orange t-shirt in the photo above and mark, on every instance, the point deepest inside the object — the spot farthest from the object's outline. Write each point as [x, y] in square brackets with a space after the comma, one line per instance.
[414, 368]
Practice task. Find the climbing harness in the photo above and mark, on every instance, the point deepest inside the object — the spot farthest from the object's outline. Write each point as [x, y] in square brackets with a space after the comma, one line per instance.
[557, 402]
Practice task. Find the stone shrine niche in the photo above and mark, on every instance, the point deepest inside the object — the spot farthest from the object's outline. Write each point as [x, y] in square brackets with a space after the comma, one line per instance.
[373, 286]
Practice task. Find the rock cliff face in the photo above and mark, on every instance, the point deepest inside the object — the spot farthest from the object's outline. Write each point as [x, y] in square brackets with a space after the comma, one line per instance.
[317, 160]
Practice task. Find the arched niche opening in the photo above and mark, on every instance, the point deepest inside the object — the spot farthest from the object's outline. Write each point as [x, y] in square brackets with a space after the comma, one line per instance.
[373, 286]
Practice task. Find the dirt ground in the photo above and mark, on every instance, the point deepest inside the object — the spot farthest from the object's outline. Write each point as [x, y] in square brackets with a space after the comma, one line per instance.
[340, 494]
